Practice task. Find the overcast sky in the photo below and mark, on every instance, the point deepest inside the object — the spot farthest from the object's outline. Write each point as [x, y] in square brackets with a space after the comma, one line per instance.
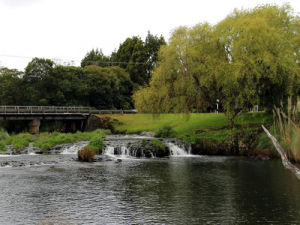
[68, 29]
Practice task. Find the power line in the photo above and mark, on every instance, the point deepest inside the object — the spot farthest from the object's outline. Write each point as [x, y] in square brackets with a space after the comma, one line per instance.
[94, 62]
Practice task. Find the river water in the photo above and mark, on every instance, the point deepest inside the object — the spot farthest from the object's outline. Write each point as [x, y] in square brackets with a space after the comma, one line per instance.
[55, 189]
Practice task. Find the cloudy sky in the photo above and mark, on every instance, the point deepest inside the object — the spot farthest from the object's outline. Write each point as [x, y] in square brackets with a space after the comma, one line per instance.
[68, 29]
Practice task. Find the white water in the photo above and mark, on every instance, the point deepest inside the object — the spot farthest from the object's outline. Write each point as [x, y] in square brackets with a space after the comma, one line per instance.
[175, 150]
[109, 151]
[73, 149]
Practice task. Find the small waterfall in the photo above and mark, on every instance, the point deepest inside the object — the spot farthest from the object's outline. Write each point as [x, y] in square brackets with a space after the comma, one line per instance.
[109, 151]
[73, 149]
[177, 151]
[123, 152]
[30, 149]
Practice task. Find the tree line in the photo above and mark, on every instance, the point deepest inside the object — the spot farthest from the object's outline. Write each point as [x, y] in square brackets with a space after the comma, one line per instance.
[249, 58]
[102, 82]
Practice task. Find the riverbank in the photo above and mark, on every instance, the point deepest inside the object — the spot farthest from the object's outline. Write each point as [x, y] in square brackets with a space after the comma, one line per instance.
[208, 132]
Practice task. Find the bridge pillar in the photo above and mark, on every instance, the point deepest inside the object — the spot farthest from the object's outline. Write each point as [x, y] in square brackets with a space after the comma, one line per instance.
[34, 126]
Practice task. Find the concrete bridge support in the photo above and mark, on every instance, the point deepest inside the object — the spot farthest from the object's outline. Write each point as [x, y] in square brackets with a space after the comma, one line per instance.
[34, 126]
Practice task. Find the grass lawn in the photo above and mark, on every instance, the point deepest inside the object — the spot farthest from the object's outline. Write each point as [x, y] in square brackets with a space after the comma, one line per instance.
[202, 125]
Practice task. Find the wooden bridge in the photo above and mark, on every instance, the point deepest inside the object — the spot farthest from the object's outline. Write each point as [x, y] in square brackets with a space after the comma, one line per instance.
[34, 114]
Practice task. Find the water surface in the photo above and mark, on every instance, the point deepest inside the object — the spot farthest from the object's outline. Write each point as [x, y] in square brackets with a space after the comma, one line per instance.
[175, 190]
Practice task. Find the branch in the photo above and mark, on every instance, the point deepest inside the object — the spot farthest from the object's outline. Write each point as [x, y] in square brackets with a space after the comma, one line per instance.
[287, 164]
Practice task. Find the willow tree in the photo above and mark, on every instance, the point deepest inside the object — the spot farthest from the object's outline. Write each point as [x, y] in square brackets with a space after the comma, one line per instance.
[248, 58]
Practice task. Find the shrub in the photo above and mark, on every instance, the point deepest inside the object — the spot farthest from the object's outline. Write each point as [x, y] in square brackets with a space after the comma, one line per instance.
[96, 143]
[3, 135]
[20, 142]
[86, 154]
[193, 140]
[165, 132]
[144, 141]
[158, 143]
[105, 122]
[2, 146]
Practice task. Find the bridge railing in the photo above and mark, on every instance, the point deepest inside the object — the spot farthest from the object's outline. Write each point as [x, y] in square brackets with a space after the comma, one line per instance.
[59, 109]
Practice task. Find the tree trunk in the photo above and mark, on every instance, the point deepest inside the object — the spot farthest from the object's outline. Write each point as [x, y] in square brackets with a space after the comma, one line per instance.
[287, 164]
[230, 117]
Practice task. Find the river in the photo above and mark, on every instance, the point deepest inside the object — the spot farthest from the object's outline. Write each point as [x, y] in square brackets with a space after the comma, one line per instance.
[56, 189]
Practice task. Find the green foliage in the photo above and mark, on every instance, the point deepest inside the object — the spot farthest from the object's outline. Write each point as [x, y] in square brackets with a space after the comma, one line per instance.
[95, 57]
[3, 135]
[239, 62]
[2, 146]
[20, 142]
[96, 143]
[135, 51]
[46, 141]
[158, 143]
[144, 141]
[193, 140]
[86, 154]
[165, 132]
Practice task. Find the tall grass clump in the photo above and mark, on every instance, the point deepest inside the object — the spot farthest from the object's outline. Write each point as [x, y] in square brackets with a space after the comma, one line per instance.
[86, 154]
[165, 132]
[19, 142]
[3, 135]
[287, 129]
[96, 143]
[2, 146]
[158, 143]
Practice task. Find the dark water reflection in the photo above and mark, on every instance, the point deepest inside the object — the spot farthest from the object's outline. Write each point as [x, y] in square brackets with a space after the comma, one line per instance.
[179, 190]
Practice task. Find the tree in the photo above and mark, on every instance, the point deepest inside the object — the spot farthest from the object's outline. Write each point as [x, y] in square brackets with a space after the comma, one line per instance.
[139, 58]
[95, 57]
[11, 91]
[37, 75]
[108, 87]
[248, 58]
[152, 45]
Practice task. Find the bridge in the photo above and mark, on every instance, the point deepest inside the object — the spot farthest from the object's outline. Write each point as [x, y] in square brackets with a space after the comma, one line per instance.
[34, 114]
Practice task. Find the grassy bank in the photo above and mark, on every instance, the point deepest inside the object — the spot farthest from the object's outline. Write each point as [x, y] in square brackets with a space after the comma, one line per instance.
[46, 140]
[201, 125]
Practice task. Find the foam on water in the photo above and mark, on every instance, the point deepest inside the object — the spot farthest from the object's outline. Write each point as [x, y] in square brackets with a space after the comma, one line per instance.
[73, 149]
[175, 150]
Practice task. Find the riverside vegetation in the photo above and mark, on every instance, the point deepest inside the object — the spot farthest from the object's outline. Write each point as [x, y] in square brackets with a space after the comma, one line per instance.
[48, 140]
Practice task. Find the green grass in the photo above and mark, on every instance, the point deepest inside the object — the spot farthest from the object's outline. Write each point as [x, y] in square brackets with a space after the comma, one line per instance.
[46, 141]
[159, 144]
[200, 125]
[2, 146]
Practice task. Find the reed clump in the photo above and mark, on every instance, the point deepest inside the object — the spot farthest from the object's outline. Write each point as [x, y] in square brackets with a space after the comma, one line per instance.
[286, 128]
[86, 154]
[2, 146]
[96, 144]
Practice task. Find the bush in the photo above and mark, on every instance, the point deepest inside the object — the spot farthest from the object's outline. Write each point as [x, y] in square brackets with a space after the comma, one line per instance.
[193, 140]
[3, 135]
[20, 142]
[96, 143]
[86, 154]
[165, 132]
[158, 143]
[2, 146]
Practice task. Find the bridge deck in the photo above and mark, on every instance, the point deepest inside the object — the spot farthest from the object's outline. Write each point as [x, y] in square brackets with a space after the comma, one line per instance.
[57, 110]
